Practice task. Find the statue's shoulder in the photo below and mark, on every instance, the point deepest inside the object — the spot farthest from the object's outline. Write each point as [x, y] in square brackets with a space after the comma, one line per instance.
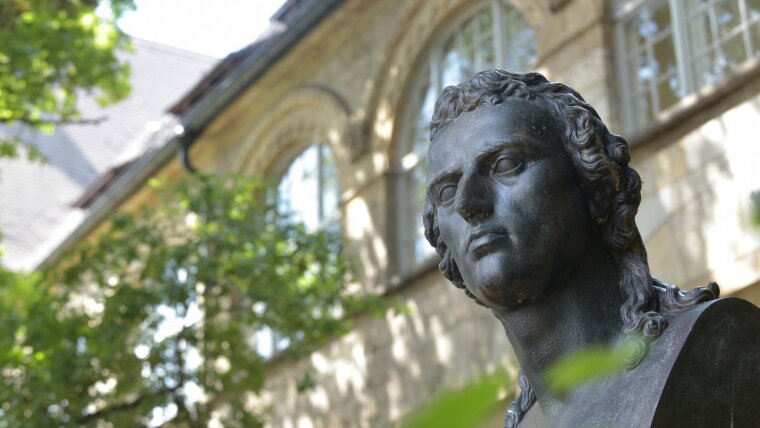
[715, 376]
[703, 371]
[728, 305]
[714, 325]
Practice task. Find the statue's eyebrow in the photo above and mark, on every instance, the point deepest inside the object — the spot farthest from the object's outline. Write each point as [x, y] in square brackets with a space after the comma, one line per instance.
[449, 175]
[497, 146]
[490, 150]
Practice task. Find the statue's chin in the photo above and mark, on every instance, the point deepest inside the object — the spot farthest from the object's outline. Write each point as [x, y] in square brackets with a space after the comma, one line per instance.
[508, 293]
[499, 283]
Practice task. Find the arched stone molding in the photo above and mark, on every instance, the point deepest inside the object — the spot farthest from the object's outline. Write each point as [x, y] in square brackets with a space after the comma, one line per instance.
[418, 30]
[304, 116]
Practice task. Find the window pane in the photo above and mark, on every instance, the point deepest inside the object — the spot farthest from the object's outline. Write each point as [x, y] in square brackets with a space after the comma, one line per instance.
[647, 23]
[753, 10]
[520, 42]
[753, 16]
[422, 124]
[645, 105]
[453, 65]
[308, 191]
[707, 67]
[728, 17]
[664, 56]
[646, 71]
[734, 52]
[486, 46]
[467, 48]
[422, 249]
[298, 192]
[328, 186]
[667, 91]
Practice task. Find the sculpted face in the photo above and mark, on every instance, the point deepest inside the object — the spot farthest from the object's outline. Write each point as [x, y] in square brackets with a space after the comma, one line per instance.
[508, 202]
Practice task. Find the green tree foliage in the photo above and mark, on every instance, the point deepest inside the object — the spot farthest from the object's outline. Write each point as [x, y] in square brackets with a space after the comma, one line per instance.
[51, 51]
[159, 313]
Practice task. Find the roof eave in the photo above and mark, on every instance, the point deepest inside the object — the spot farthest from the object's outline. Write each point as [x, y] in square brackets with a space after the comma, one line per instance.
[253, 67]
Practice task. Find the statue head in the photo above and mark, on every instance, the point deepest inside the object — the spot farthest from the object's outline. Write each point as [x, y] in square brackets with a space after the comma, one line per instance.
[608, 187]
[611, 188]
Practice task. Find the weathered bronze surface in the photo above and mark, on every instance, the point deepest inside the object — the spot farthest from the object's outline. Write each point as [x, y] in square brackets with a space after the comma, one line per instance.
[531, 205]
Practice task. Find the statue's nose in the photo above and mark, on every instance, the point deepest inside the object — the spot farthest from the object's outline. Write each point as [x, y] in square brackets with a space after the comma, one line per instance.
[474, 203]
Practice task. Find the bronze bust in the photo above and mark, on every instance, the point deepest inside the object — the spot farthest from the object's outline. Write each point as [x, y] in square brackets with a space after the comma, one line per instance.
[531, 206]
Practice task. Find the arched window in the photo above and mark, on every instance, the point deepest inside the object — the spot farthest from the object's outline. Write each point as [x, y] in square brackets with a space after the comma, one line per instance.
[308, 190]
[491, 34]
[669, 49]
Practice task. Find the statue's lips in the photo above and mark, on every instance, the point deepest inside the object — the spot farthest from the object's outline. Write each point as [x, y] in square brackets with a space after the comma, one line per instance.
[485, 242]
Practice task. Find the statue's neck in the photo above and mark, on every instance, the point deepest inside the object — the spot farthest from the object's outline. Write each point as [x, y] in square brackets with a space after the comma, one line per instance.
[583, 309]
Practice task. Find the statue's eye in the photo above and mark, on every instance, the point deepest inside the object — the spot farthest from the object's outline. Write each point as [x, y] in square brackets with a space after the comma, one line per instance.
[447, 192]
[505, 164]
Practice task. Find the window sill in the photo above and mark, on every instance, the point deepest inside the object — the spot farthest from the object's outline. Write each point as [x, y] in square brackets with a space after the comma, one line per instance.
[687, 113]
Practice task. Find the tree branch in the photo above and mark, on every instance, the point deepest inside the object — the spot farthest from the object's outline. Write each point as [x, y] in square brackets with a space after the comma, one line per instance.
[128, 405]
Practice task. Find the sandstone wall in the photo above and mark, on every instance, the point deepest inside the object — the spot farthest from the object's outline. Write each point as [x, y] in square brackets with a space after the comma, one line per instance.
[347, 83]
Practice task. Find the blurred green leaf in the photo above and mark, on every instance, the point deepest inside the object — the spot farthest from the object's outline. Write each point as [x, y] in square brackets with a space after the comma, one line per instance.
[587, 364]
[463, 408]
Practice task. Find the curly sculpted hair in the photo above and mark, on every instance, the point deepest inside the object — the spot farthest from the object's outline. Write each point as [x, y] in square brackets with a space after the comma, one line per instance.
[613, 192]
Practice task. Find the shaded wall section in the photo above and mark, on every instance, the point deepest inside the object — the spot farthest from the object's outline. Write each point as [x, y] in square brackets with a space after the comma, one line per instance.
[695, 215]
[390, 365]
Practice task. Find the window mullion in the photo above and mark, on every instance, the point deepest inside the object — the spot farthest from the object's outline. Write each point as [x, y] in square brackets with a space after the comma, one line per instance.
[497, 15]
[477, 54]
[682, 50]
[458, 48]
[652, 84]
[436, 58]
[744, 17]
[716, 40]
[622, 68]
[320, 185]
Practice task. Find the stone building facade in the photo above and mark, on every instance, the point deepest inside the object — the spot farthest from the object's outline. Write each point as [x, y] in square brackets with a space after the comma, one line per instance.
[679, 79]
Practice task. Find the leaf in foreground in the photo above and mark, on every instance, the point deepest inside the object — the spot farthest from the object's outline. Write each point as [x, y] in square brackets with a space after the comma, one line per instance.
[463, 408]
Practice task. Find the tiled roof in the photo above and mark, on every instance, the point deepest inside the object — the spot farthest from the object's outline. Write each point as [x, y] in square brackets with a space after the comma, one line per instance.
[38, 199]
